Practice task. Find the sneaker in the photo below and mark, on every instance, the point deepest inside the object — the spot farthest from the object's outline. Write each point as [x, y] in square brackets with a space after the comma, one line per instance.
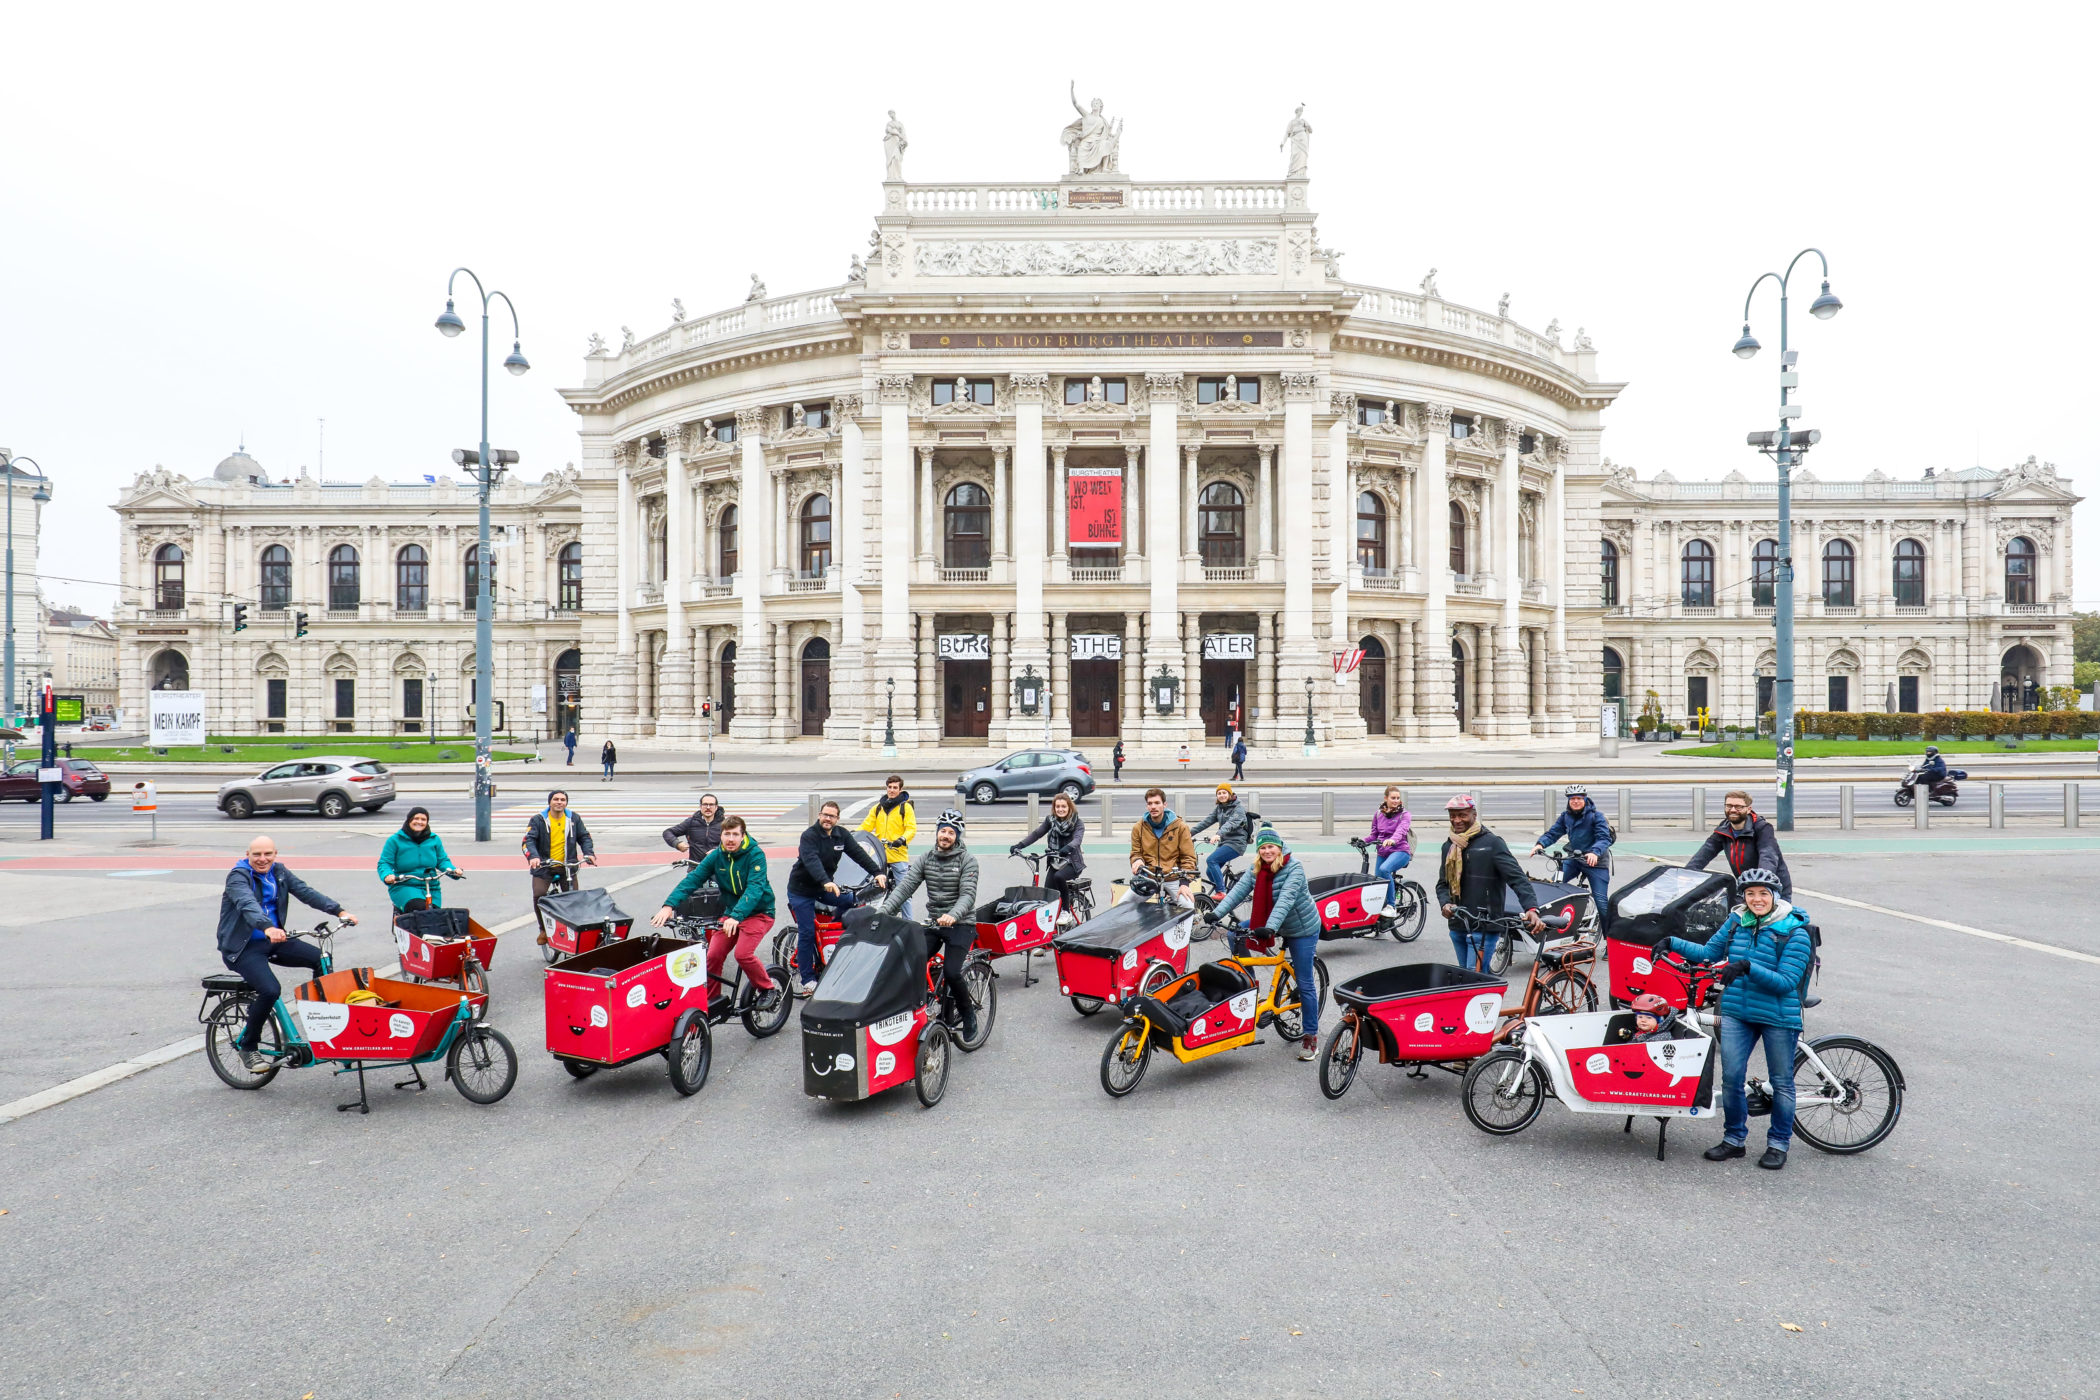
[1309, 1048]
[543, 938]
[768, 999]
[254, 1061]
[969, 1023]
[1724, 1151]
[803, 989]
[1773, 1160]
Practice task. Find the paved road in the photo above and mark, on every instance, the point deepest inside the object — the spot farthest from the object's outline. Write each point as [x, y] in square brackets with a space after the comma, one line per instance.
[1225, 1230]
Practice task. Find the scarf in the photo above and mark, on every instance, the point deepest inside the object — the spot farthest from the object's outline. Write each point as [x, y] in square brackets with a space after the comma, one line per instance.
[1264, 892]
[1061, 830]
[891, 804]
[1455, 857]
[418, 837]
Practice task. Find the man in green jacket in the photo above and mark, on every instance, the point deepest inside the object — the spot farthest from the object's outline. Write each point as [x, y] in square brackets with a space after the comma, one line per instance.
[737, 868]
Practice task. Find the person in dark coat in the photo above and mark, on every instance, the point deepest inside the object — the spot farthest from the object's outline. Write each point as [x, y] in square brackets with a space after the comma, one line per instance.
[568, 741]
[608, 756]
[1239, 757]
[1118, 756]
[812, 881]
[699, 833]
[1064, 835]
[1589, 844]
[1476, 873]
[555, 840]
[252, 935]
[1748, 841]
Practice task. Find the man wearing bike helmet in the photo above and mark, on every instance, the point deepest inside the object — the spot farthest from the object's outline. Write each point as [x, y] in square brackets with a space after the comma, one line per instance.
[1589, 844]
[1767, 948]
[1477, 873]
[252, 935]
[1934, 768]
[949, 874]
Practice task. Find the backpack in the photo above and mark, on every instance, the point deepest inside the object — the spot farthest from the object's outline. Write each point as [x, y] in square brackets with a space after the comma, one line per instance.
[1814, 967]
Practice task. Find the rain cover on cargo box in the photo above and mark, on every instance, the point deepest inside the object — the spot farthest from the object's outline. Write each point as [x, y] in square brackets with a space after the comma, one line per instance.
[877, 970]
[1123, 926]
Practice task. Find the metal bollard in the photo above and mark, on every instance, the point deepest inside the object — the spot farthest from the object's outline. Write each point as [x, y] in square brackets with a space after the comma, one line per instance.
[1552, 811]
[1327, 814]
[2070, 804]
[1699, 807]
[1108, 811]
[1625, 810]
[1997, 806]
[1845, 807]
[816, 802]
[1035, 809]
[1920, 804]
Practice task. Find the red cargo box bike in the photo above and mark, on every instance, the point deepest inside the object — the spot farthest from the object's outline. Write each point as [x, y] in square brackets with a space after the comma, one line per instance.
[1351, 905]
[1141, 944]
[874, 1021]
[1668, 901]
[446, 945]
[578, 921]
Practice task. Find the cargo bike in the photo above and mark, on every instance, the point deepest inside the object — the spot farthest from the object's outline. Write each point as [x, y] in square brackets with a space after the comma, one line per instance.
[357, 1020]
[1140, 944]
[1667, 901]
[578, 921]
[446, 945]
[829, 921]
[1351, 905]
[874, 1021]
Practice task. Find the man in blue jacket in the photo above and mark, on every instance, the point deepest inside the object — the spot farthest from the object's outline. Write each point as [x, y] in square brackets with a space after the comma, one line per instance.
[1767, 947]
[252, 935]
[1589, 844]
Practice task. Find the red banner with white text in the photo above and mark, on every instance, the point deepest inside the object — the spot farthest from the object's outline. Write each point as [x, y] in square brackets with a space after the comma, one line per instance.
[1095, 510]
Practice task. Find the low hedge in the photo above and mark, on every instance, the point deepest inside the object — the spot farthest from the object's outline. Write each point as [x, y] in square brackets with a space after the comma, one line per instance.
[1944, 724]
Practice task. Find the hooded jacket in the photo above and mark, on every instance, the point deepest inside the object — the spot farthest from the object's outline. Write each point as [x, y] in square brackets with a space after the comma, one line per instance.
[1292, 911]
[404, 855]
[893, 826]
[1234, 822]
[1586, 830]
[1397, 827]
[1170, 848]
[579, 836]
[1752, 845]
[950, 878]
[241, 911]
[741, 878]
[1778, 948]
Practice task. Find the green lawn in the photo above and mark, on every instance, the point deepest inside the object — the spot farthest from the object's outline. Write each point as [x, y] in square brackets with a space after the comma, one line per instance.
[1876, 748]
[274, 750]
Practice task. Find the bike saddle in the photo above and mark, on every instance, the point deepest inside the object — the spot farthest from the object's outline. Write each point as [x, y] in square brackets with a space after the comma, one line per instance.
[225, 982]
[1806, 1002]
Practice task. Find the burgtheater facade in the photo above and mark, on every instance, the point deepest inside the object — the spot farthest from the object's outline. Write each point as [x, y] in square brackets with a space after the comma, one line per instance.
[1093, 458]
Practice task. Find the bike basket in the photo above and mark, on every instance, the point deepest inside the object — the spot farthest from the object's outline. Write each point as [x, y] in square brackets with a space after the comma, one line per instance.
[705, 903]
[434, 923]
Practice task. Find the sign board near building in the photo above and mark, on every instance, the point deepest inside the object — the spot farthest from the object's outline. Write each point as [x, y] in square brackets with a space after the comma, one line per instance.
[965, 646]
[1229, 646]
[1095, 516]
[176, 717]
[1097, 646]
[69, 709]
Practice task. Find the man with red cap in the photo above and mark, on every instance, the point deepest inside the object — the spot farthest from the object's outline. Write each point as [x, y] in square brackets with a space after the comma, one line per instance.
[1476, 872]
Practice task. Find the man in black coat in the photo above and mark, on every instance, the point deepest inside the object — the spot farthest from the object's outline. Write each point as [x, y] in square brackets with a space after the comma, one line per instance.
[1748, 841]
[699, 833]
[555, 841]
[811, 882]
[1476, 873]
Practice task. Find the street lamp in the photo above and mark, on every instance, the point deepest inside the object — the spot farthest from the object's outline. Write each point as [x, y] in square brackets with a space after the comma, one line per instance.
[486, 470]
[889, 718]
[1311, 744]
[40, 494]
[1786, 447]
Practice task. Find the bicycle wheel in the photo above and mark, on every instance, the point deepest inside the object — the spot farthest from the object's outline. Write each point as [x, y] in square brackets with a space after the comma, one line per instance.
[482, 1065]
[1124, 1060]
[1201, 929]
[1157, 976]
[223, 1032]
[984, 997]
[579, 1069]
[1565, 993]
[1505, 951]
[1087, 1006]
[1503, 1092]
[1873, 1095]
[929, 1078]
[1410, 913]
[475, 979]
[784, 946]
[1320, 973]
[768, 1022]
[1290, 1016]
[1338, 1061]
[691, 1056]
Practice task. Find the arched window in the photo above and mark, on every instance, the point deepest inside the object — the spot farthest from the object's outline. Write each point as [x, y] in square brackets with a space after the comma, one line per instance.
[412, 579]
[815, 528]
[1222, 518]
[1837, 575]
[1910, 574]
[276, 578]
[2019, 571]
[342, 578]
[968, 530]
[1370, 532]
[1458, 539]
[725, 543]
[569, 569]
[1698, 574]
[171, 670]
[167, 577]
[1764, 574]
[1608, 573]
[472, 580]
[1614, 675]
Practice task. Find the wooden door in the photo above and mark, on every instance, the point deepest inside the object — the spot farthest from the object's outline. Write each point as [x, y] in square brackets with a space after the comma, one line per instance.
[1096, 703]
[966, 710]
[1370, 693]
[816, 694]
[1224, 695]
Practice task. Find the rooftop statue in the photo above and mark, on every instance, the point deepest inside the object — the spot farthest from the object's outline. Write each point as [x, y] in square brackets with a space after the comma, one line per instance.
[893, 144]
[1298, 136]
[1092, 140]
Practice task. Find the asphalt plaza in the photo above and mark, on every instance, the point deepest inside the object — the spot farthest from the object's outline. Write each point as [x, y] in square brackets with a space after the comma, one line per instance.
[1223, 1227]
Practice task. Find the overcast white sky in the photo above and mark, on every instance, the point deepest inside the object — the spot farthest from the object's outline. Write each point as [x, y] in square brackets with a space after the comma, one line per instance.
[221, 221]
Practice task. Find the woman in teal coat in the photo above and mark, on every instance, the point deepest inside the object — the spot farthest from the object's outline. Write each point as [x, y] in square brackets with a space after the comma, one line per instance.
[415, 850]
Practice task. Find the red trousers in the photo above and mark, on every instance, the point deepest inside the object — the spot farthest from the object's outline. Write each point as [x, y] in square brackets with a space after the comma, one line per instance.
[750, 932]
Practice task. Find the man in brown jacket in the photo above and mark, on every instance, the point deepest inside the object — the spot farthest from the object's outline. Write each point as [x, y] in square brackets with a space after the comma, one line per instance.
[1162, 841]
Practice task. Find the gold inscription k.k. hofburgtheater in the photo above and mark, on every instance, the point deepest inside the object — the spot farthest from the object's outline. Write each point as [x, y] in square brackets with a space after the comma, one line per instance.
[1096, 340]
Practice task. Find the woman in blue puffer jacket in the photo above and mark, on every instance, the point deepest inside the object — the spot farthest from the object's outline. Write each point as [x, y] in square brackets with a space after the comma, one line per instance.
[1767, 947]
[1283, 905]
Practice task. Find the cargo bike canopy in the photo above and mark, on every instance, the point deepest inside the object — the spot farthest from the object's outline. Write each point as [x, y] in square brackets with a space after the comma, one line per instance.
[877, 970]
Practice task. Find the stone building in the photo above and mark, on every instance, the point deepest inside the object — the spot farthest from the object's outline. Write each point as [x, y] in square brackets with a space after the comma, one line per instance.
[32, 655]
[83, 659]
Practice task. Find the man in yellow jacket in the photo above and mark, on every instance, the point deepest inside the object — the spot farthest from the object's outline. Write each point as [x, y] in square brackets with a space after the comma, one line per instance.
[894, 823]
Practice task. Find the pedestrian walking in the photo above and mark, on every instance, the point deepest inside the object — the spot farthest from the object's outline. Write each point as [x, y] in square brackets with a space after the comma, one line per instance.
[1119, 760]
[1283, 905]
[894, 821]
[1747, 840]
[1239, 757]
[568, 741]
[608, 756]
[1477, 873]
[252, 935]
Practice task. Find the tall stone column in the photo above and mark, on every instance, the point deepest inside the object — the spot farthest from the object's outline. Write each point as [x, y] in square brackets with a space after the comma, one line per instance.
[928, 688]
[1297, 650]
[1060, 674]
[1265, 678]
[1404, 527]
[621, 721]
[1265, 514]
[1002, 502]
[929, 542]
[1511, 719]
[754, 660]
[894, 654]
[1433, 679]
[785, 709]
[1060, 514]
[1032, 513]
[1190, 489]
[1163, 527]
[850, 693]
[1134, 513]
[1402, 681]
[1130, 724]
[1192, 663]
[1001, 641]
[674, 720]
[1561, 715]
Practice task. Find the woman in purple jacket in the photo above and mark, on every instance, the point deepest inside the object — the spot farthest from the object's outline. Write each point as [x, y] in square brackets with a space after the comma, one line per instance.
[1392, 841]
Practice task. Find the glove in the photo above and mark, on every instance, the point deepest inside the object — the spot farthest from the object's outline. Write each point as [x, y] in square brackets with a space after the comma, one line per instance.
[1739, 968]
[1013, 850]
[1662, 946]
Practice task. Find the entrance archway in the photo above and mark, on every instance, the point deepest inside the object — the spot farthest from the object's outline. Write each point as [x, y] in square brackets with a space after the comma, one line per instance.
[816, 685]
[170, 670]
[1370, 685]
[2020, 679]
[568, 692]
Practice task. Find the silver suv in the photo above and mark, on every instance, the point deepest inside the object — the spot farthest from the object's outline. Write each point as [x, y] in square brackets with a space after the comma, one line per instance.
[1031, 770]
[330, 784]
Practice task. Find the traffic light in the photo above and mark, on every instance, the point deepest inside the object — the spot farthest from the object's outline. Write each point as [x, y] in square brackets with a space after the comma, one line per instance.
[298, 625]
[240, 617]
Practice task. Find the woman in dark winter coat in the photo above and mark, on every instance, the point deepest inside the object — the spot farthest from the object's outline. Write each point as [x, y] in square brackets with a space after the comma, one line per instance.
[1064, 833]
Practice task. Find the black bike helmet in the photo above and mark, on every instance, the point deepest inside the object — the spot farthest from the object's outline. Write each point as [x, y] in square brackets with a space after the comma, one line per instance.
[1757, 875]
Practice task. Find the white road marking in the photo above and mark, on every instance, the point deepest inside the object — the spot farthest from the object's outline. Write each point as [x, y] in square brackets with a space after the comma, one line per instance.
[190, 1045]
[2014, 940]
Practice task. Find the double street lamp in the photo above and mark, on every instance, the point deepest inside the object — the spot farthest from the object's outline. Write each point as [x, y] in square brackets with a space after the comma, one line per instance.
[40, 494]
[486, 469]
[1786, 445]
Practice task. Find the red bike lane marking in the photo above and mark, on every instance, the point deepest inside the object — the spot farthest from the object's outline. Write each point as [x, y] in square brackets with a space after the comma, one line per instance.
[297, 862]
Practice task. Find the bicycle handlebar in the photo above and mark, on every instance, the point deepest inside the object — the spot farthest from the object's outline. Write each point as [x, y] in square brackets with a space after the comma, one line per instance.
[1481, 923]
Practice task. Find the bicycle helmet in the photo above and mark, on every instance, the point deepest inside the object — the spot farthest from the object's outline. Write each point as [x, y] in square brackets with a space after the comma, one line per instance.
[951, 818]
[1575, 790]
[1757, 875]
[1649, 1004]
[1931, 750]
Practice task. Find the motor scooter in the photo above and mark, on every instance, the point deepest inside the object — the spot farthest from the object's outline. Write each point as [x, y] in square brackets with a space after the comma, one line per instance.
[1943, 794]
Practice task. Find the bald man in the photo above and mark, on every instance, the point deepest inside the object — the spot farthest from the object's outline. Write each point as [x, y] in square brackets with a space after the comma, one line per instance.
[252, 935]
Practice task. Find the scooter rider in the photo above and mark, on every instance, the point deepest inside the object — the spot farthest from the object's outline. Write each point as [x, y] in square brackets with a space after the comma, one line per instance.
[949, 873]
[1589, 844]
[813, 881]
[553, 839]
[1932, 770]
[252, 935]
[1767, 946]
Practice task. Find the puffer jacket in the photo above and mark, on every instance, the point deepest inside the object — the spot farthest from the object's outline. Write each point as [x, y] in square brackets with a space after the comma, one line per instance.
[1171, 849]
[1397, 827]
[950, 878]
[1292, 911]
[1778, 949]
[741, 877]
[1586, 831]
[893, 827]
[1234, 822]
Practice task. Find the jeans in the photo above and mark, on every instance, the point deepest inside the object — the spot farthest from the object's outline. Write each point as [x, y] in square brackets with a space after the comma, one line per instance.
[804, 908]
[570, 761]
[1239, 769]
[1737, 1037]
[1387, 864]
[751, 930]
[608, 770]
[897, 871]
[253, 964]
[1575, 868]
[1301, 951]
[1475, 950]
[1214, 868]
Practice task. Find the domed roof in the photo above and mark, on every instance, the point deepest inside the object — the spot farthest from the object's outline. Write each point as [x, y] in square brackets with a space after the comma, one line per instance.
[239, 467]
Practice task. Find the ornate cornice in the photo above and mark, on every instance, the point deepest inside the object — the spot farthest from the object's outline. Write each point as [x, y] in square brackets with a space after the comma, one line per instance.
[894, 388]
[623, 455]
